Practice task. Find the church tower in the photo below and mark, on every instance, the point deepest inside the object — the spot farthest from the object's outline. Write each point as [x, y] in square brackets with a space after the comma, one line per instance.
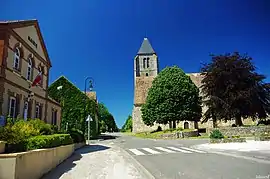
[146, 61]
[145, 70]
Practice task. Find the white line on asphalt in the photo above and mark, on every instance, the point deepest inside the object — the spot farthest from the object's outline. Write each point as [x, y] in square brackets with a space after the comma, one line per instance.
[136, 152]
[151, 151]
[165, 150]
[193, 150]
[180, 150]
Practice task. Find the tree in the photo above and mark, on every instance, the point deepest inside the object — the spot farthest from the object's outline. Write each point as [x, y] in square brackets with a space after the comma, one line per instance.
[107, 118]
[233, 90]
[172, 97]
[128, 124]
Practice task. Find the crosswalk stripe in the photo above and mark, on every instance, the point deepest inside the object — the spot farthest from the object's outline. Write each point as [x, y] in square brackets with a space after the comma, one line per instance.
[180, 150]
[165, 150]
[151, 151]
[136, 152]
[193, 150]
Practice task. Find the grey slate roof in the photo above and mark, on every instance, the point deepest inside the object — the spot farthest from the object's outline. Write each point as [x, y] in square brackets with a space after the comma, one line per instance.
[146, 48]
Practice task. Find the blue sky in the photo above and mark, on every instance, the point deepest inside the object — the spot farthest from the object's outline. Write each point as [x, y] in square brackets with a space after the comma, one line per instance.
[100, 38]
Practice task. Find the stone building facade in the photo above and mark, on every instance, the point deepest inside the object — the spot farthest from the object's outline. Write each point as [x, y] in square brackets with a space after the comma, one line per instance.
[23, 56]
[145, 70]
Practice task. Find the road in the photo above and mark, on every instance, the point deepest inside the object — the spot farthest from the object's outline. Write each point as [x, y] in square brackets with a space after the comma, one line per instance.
[122, 156]
[173, 159]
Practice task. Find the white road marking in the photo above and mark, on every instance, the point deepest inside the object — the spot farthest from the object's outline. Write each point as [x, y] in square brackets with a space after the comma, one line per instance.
[151, 151]
[136, 152]
[193, 150]
[180, 150]
[165, 150]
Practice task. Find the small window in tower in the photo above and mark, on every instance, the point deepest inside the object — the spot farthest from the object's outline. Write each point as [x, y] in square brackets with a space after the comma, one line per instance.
[147, 63]
[144, 59]
[146, 74]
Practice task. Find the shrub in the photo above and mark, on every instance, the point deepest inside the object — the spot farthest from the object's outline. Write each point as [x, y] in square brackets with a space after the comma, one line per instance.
[77, 135]
[48, 141]
[216, 134]
[18, 133]
[44, 129]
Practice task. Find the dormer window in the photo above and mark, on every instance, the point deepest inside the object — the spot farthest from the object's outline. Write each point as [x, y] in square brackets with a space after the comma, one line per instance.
[17, 56]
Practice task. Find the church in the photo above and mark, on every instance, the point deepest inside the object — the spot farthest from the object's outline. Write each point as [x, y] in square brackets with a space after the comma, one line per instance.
[146, 68]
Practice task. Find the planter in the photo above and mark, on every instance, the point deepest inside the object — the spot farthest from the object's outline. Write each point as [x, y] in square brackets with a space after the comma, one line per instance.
[2, 146]
[33, 164]
[262, 138]
[227, 140]
[79, 145]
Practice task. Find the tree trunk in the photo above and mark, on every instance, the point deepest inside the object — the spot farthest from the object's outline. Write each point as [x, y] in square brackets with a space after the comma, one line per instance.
[214, 121]
[174, 124]
[238, 121]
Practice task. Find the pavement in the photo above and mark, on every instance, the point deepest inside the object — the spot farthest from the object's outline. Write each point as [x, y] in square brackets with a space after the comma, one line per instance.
[128, 157]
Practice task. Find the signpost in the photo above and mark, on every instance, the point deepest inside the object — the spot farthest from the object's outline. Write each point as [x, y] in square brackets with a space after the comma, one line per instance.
[89, 119]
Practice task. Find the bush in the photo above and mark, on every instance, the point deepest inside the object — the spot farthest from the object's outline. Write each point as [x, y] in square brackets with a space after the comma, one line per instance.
[44, 129]
[18, 133]
[216, 134]
[77, 135]
[48, 141]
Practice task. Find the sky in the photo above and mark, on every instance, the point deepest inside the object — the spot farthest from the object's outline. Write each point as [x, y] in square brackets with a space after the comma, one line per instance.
[101, 38]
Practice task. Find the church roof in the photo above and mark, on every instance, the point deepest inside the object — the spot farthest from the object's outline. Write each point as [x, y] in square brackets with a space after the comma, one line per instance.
[146, 48]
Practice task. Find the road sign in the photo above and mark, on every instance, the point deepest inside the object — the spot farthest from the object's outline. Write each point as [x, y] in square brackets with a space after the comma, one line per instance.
[89, 118]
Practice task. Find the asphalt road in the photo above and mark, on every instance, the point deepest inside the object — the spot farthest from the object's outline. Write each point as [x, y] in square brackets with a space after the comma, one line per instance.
[175, 159]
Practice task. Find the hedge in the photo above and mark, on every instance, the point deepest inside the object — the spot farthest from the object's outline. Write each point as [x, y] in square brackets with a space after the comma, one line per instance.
[48, 141]
[77, 135]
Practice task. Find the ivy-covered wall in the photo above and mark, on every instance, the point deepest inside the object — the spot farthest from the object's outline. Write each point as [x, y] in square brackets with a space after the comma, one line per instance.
[73, 101]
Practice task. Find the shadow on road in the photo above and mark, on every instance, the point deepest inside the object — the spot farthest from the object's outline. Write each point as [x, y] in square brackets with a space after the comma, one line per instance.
[69, 163]
[105, 137]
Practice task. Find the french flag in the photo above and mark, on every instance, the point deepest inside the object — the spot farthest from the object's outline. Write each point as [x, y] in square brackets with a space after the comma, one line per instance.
[37, 80]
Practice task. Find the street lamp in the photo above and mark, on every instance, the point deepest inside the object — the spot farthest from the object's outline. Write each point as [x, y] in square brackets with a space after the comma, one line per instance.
[90, 79]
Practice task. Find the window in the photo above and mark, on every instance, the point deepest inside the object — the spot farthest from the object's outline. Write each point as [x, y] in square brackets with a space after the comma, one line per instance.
[12, 107]
[38, 111]
[29, 69]
[144, 60]
[54, 117]
[25, 110]
[146, 74]
[147, 62]
[17, 56]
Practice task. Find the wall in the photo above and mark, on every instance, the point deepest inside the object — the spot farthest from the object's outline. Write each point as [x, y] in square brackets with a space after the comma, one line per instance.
[20, 78]
[142, 85]
[32, 164]
[242, 131]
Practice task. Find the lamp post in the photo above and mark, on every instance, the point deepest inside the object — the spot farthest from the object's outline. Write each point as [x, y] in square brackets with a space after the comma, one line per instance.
[90, 79]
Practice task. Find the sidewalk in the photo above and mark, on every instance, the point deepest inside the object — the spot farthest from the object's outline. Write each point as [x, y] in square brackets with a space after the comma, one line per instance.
[99, 162]
[248, 146]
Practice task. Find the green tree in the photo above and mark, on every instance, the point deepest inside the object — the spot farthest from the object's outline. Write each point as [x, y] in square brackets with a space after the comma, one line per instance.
[172, 97]
[128, 124]
[233, 90]
[109, 121]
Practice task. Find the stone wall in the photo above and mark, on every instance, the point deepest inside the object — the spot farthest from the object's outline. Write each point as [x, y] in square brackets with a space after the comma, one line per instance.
[142, 85]
[242, 131]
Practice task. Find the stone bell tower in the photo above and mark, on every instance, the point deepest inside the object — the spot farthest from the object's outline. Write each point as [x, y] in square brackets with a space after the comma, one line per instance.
[145, 70]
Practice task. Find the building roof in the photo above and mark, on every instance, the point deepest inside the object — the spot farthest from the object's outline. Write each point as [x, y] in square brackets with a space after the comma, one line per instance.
[146, 48]
[25, 23]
